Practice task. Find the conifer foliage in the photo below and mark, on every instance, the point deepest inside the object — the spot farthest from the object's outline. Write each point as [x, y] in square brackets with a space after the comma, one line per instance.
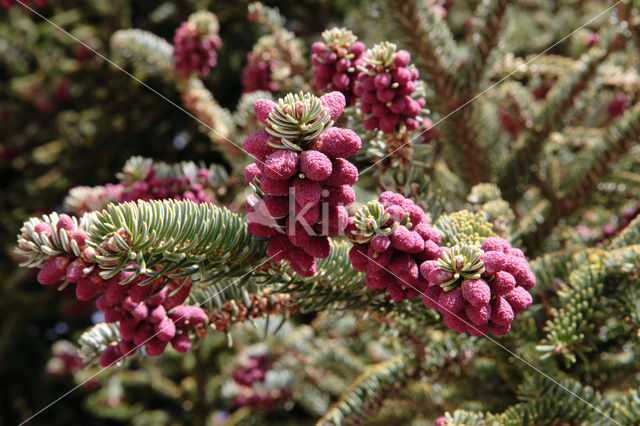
[408, 225]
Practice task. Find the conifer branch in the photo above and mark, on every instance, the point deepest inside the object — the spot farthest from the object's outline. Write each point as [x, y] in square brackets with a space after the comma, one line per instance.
[438, 55]
[157, 238]
[148, 53]
[367, 392]
[470, 159]
[593, 164]
[570, 332]
[199, 100]
[548, 66]
[596, 160]
[487, 25]
[335, 285]
[630, 235]
[36, 246]
[137, 172]
[627, 408]
[554, 404]
[558, 102]
[628, 181]
[555, 265]
[93, 341]
[432, 40]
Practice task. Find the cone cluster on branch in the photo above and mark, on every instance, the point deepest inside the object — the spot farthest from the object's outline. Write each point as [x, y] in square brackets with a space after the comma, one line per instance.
[479, 289]
[251, 390]
[257, 74]
[150, 315]
[392, 237]
[196, 42]
[476, 288]
[302, 179]
[386, 90]
[144, 183]
[336, 60]
[234, 312]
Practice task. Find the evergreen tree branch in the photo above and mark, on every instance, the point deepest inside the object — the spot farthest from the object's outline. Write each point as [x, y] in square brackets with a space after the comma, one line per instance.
[174, 238]
[469, 160]
[534, 217]
[335, 285]
[93, 341]
[137, 170]
[548, 66]
[148, 53]
[36, 247]
[487, 25]
[630, 181]
[627, 408]
[630, 235]
[556, 265]
[558, 102]
[570, 332]
[593, 164]
[431, 38]
[367, 392]
[438, 55]
[199, 100]
[552, 405]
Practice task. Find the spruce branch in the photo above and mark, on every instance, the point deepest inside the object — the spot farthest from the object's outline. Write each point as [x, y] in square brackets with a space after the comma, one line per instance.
[560, 406]
[439, 60]
[468, 418]
[215, 295]
[281, 48]
[461, 131]
[556, 265]
[431, 38]
[594, 162]
[548, 66]
[558, 102]
[551, 405]
[335, 285]
[627, 408]
[36, 245]
[570, 332]
[269, 17]
[489, 131]
[179, 238]
[93, 341]
[367, 392]
[148, 53]
[622, 181]
[518, 101]
[304, 339]
[143, 171]
[138, 168]
[487, 25]
[630, 235]
[592, 165]
[219, 121]
[532, 220]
